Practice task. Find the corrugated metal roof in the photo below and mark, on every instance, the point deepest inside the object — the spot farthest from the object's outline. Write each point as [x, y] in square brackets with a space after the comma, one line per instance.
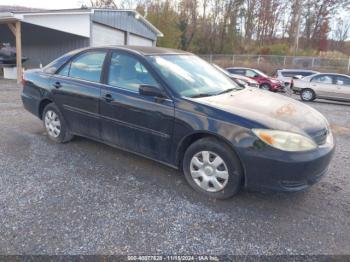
[101, 15]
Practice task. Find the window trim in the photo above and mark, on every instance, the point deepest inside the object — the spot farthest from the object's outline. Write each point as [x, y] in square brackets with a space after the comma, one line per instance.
[70, 60]
[143, 62]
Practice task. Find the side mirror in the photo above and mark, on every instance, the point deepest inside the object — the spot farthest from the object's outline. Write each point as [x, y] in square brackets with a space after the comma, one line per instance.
[298, 77]
[148, 90]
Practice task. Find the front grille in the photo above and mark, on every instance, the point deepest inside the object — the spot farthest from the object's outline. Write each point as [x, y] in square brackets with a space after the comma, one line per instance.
[320, 137]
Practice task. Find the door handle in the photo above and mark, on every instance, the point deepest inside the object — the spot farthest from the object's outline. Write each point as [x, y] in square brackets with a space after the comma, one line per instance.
[108, 98]
[57, 85]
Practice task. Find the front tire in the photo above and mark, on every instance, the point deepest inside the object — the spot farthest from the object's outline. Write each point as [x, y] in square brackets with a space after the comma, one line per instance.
[307, 95]
[212, 168]
[265, 86]
[55, 125]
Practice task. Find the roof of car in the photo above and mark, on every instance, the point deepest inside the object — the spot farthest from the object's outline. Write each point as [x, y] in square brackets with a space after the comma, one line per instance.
[149, 50]
[300, 70]
[234, 67]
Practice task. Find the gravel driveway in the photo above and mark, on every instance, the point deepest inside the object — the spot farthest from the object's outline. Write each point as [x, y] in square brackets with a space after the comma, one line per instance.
[88, 198]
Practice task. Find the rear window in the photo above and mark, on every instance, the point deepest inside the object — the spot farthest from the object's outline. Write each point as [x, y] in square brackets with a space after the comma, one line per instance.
[87, 66]
[52, 67]
[296, 73]
[236, 71]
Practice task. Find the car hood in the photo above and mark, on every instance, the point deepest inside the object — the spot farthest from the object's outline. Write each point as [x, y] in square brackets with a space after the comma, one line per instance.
[271, 110]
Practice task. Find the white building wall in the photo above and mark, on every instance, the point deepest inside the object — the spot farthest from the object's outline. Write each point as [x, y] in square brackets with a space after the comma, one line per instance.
[75, 23]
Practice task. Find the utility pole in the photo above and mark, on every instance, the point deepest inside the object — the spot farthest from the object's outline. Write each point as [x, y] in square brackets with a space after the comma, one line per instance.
[298, 21]
[294, 30]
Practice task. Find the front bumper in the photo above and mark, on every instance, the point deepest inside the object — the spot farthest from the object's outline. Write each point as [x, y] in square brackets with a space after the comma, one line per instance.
[267, 168]
[277, 88]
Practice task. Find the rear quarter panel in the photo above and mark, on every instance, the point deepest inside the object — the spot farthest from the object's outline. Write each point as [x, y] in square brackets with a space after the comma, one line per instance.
[36, 87]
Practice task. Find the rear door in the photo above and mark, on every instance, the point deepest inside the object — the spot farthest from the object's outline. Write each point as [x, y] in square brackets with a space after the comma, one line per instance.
[343, 86]
[77, 92]
[142, 124]
[324, 86]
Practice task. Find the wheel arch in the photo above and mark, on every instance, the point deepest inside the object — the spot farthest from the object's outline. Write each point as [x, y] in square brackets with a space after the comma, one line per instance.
[308, 88]
[193, 137]
[43, 103]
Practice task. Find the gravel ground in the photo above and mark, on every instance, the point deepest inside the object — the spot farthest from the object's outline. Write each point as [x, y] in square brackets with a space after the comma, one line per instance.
[87, 198]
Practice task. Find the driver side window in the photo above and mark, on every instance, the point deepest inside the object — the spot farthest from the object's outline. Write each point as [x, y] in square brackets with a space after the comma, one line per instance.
[126, 71]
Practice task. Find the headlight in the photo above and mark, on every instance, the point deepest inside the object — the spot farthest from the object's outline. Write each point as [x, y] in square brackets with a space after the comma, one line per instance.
[285, 141]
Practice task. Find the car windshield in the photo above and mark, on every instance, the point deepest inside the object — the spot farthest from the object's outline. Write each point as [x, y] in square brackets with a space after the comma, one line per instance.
[261, 73]
[190, 76]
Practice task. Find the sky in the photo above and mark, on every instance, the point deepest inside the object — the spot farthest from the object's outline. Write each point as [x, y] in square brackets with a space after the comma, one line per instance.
[46, 4]
[66, 4]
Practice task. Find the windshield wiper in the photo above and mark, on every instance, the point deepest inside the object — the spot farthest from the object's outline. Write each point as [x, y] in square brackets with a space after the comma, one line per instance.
[226, 91]
[202, 95]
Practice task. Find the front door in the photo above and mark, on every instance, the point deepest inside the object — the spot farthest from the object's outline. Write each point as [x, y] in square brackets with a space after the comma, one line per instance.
[343, 86]
[138, 123]
[77, 91]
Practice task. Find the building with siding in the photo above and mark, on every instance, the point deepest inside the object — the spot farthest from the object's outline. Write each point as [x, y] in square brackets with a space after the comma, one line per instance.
[46, 35]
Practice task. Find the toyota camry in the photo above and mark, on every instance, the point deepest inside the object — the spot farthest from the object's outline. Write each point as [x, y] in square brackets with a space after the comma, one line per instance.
[173, 107]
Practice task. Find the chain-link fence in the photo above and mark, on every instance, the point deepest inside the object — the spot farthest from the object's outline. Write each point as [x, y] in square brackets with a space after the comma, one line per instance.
[270, 63]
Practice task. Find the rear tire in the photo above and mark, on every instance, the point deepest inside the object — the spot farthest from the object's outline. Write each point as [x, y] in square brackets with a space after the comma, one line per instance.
[55, 125]
[212, 168]
[307, 95]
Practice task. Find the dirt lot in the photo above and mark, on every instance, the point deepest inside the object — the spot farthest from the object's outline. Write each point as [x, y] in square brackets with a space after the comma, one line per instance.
[88, 198]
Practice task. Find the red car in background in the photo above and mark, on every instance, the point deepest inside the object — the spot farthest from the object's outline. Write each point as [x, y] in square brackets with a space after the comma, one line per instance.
[265, 82]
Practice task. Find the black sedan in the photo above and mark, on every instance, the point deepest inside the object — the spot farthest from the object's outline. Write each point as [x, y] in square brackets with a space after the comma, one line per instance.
[175, 108]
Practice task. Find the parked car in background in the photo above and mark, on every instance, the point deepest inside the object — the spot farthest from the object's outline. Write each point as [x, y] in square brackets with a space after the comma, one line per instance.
[326, 86]
[287, 75]
[240, 80]
[265, 82]
[173, 107]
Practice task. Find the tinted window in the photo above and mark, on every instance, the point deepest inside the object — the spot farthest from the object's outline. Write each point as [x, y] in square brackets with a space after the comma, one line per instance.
[306, 73]
[87, 66]
[296, 73]
[324, 79]
[128, 72]
[237, 71]
[290, 74]
[342, 80]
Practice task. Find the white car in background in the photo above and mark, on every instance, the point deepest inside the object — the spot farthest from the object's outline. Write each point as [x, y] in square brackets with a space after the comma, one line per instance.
[327, 86]
[287, 75]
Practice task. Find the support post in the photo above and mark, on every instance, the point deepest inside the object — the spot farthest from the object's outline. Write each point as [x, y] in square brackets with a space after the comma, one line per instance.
[233, 59]
[349, 65]
[18, 36]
